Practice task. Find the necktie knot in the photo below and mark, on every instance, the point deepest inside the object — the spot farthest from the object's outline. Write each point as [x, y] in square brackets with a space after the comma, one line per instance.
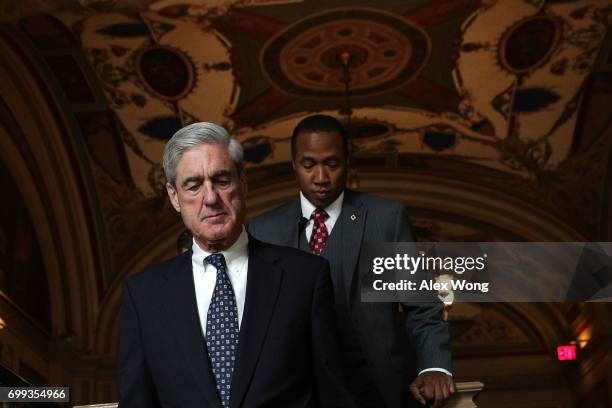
[319, 214]
[217, 260]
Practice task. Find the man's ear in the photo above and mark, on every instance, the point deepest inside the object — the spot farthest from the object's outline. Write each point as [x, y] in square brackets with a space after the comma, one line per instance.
[173, 195]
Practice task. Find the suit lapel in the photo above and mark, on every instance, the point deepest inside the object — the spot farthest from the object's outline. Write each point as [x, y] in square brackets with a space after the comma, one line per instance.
[263, 283]
[353, 218]
[289, 231]
[183, 319]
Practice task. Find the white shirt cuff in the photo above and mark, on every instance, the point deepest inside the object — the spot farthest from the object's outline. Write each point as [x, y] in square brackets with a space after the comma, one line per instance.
[436, 369]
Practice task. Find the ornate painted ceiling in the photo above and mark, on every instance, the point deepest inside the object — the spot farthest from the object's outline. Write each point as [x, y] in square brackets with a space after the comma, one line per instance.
[492, 82]
[482, 89]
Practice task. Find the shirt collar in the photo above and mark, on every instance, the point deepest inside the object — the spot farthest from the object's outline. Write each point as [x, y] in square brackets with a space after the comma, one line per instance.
[237, 250]
[333, 210]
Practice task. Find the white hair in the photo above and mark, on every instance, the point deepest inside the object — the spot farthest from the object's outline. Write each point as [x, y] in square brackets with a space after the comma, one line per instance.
[194, 135]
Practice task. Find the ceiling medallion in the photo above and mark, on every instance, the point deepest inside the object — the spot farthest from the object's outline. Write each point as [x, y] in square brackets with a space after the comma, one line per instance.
[529, 43]
[166, 72]
[386, 51]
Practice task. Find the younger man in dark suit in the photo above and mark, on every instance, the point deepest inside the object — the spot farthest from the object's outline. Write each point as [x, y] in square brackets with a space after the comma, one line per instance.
[234, 322]
[329, 220]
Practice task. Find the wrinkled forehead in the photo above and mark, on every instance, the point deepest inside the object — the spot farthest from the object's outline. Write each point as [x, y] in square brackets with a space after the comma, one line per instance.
[206, 159]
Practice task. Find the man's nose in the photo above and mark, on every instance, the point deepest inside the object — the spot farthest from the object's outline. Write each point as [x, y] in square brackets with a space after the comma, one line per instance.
[211, 196]
[320, 175]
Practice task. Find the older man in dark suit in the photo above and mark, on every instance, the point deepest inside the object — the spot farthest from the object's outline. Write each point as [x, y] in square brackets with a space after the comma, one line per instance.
[329, 220]
[234, 322]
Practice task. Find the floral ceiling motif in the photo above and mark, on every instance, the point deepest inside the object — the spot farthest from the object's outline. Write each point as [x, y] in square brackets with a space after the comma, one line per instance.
[442, 77]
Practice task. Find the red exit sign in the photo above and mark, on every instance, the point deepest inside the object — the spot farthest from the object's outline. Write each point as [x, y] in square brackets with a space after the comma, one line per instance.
[566, 353]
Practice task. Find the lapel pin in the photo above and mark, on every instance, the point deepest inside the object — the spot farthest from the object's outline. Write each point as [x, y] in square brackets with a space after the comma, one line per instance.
[353, 217]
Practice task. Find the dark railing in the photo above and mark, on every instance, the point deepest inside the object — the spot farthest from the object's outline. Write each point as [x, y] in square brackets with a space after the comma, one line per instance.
[464, 398]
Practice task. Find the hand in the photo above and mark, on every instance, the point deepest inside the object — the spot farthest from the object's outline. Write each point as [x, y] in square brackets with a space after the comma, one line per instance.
[433, 385]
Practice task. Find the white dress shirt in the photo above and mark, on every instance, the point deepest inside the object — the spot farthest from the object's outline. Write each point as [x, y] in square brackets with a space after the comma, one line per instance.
[205, 275]
[334, 210]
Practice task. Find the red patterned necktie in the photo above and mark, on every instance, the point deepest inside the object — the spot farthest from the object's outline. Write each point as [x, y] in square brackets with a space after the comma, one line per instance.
[319, 235]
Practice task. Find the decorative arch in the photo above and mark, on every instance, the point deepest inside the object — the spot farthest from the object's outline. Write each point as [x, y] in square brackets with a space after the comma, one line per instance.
[38, 147]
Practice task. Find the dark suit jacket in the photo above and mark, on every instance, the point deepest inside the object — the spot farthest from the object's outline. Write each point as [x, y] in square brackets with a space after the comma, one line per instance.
[288, 351]
[384, 332]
